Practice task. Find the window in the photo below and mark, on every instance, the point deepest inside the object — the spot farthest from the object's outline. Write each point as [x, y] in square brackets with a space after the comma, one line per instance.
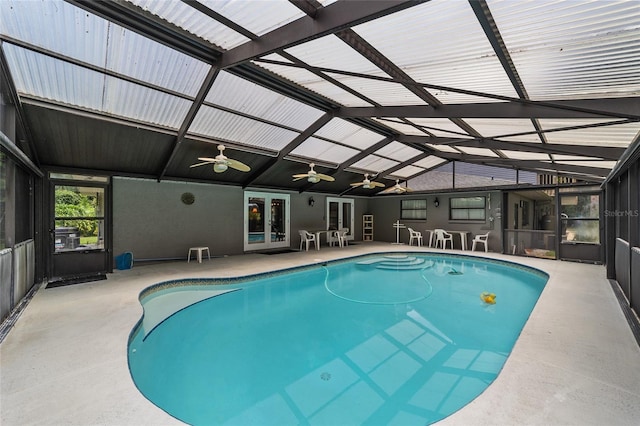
[467, 208]
[79, 218]
[413, 209]
[580, 218]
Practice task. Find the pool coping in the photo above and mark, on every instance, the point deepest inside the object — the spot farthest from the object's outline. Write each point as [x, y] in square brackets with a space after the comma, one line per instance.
[232, 284]
[184, 282]
[567, 367]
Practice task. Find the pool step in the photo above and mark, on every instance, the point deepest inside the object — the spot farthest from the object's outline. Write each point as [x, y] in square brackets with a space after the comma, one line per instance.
[395, 257]
[397, 262]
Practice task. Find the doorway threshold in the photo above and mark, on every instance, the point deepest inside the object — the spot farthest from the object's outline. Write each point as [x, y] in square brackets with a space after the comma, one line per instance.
[63, 281]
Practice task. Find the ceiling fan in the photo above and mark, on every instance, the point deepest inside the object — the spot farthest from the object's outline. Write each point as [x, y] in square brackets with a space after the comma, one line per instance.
[221, 162]
[399, 189]
[313, 176]
[367, 183]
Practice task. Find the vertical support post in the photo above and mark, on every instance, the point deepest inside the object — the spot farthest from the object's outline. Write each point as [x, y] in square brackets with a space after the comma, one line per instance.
[634, 205]
[610, 229]
[453, 174]
[558, 221]
[634, 226]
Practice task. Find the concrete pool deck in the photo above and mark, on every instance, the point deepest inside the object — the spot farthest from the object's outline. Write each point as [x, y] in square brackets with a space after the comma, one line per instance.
[65, 360]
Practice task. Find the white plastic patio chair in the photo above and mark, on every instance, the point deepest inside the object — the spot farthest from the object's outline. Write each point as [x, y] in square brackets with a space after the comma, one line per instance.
[306, 238]
[481, 239]
[341, 236]
[415, 235]
[442, 238]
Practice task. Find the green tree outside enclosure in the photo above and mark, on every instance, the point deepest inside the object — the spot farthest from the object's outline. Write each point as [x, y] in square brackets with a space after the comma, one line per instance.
[75, 205]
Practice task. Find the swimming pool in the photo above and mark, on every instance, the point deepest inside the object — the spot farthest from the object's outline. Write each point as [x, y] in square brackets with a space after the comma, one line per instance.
[379, 339]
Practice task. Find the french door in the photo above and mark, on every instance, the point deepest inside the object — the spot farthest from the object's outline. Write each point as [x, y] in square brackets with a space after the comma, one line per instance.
[266, 220]
[340, 214]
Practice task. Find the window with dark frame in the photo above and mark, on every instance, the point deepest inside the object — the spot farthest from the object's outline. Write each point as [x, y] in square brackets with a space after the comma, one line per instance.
[413, 209]
[468, 208]
[580, 216]
[79, 217]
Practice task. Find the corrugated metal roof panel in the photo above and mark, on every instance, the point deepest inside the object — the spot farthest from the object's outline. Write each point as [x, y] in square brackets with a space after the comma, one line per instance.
[460, 55]
[314, 83]
[324, 151]
[249, 98]
[140, 103]
[57, 26]
[440, 127]
[615, 135]
[373, 163]
[382, 92]
[572, 49]
[193, 21]
[477, 151]
[220, 124]
[398, 151]
[407, 171]
[268, 16]
[347, 133]
[525, 155]
[405, 128]
[144, 59]
[429, 162]
[599, 164]
[498, 128]
[48, 78]
[331, 52]
[443, 148]
[573, 157]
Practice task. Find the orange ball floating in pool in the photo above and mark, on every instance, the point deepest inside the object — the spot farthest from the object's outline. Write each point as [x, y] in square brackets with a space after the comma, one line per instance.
[487, 297]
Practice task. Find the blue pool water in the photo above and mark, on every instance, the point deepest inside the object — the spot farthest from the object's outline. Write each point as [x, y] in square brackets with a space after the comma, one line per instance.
[396, 339]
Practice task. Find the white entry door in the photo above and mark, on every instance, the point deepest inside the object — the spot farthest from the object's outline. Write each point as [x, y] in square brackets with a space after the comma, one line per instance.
[266, 220]
[340, 214]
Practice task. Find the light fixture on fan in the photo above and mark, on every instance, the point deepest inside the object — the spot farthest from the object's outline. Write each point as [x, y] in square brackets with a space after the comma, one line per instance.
[368, 183]
[397, 189]
[313, 176]
[221, 162]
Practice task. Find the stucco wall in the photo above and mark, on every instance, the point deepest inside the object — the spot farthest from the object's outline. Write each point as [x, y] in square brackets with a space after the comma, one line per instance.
[151, 221]
[386, 211]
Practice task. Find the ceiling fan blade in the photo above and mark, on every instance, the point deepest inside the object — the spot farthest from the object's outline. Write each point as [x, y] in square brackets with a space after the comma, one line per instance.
[209, 159]
[325, 177]
[357, 184]
[200, 164]
[237, 165]
[377, 184]
[300, 176]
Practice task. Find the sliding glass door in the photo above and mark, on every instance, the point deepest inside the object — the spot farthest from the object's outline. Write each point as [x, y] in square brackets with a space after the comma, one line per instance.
[266, 221]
